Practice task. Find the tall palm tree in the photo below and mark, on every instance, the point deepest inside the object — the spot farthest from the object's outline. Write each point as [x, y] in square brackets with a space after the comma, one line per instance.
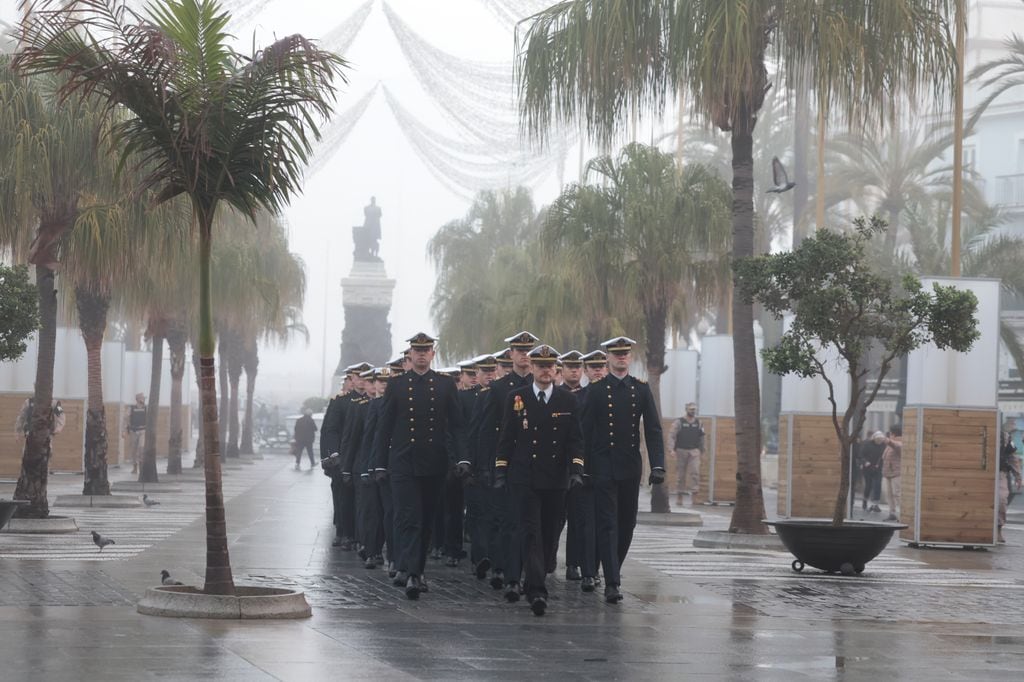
[210, 123]
[595, 61]
[45, 191]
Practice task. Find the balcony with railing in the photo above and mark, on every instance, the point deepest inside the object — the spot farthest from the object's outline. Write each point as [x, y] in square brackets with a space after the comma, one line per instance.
[1010, 191]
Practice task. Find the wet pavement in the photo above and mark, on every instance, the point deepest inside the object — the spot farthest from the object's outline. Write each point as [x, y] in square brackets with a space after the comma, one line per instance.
[67, 610]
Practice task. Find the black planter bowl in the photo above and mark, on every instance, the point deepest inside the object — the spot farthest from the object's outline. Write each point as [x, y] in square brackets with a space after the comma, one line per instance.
[842, 549]
[7, 509]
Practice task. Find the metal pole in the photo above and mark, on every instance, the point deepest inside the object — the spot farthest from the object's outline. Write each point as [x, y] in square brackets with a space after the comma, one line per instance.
[958, 141]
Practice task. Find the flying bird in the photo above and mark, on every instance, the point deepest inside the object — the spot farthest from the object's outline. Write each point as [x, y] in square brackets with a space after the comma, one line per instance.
[166, 579]
[148, 502]
[101, 541]
[779, 178]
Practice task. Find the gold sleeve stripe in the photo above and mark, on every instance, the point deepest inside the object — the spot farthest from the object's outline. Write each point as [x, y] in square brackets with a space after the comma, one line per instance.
[577, 460]
[500, 463]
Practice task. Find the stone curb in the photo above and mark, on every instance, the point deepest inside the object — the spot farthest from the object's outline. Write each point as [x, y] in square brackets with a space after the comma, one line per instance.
[723, 539]
[99, 501]
[672, 519]
[51, 525]
[136, 487]
[250, 603]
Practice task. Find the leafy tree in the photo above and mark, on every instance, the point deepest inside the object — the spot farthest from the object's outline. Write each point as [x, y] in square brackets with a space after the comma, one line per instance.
[209, 123]
[840, 302]
[19, 310]
[594, 62]
[315, 403]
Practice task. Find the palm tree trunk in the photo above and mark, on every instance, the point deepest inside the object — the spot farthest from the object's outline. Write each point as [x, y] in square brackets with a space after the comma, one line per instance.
[250, 363]
[200, 442]
[176, 342]
[92, 316]
[35, 459]
[222, 371]
[749, 510]
[234, 376]
[147, 472]
[656, 325]
[218, 562]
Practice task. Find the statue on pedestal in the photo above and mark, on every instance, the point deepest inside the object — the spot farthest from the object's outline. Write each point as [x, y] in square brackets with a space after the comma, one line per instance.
[366, 237]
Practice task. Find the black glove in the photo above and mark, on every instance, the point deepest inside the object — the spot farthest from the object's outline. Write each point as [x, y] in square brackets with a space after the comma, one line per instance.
[464, 469]
[575, 481]
[380, 475]
[346, 477]
[365, 479]
[657, 476]
[499, 478]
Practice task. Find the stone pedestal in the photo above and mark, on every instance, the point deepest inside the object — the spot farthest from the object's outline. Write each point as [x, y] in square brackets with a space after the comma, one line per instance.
[366, 295]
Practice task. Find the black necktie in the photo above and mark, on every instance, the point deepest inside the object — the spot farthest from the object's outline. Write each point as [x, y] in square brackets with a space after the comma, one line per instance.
[542, 397]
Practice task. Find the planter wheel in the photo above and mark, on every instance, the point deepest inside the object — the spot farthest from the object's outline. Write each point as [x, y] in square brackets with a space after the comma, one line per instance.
[859, 569]
[797, 565]
[847, 569]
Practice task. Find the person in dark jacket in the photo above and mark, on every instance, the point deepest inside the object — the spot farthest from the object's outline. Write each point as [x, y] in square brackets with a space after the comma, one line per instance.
[612, 412]
[304, 436]
[871, 462]
[418, 423]
[540, 455]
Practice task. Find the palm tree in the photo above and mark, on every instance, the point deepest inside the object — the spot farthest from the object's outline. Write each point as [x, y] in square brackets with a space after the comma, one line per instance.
[595, 61]
[45, 191]
[210, 123]
[999, 75]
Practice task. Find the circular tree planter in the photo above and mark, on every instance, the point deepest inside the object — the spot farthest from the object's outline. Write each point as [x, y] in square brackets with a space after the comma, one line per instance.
[51, 525]
[842, 549]
[249, 603]
[7, 509]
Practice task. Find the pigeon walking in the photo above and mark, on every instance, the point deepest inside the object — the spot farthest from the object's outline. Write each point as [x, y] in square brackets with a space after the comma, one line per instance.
[101, 541]
[166, 579]
[148, 502]
[779, 178]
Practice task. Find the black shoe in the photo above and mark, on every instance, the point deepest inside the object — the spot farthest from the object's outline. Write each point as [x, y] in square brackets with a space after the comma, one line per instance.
[538, 606]
[587, 585]
[497, 580]
[400, 579]
[482, 568]
[413, 587]
[435, 554]
[452, 562]
[512, 593]
[392, 571]
[572, 573]
[370, 563]
[337, 542]
[612, 594]
[423, 584]
[347, 544]
[597, 581]
[875, 508]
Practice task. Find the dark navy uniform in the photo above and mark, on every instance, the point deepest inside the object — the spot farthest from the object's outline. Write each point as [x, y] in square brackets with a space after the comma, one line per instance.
[352, 457]
[612, 412]
[420, 416]
[580, 539]
[329, 443]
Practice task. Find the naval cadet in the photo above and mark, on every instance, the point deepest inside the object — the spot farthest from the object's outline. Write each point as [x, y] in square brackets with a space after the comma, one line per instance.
[540, 455]
[503, 543]
[352, 457]
[330, 460]
[612, 411]
[420, 415]
[580, 541]
[376, 535]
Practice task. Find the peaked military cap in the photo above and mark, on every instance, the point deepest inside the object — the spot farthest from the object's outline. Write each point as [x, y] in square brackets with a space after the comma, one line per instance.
[619, 344]
[595, 358]
[422, 341]
[368, 374]
[522, 341]
[382, 373]
[573, 358]
[543, 355]
[396, 362]
[468, 366]
[358, 368]
[485, 363]
[504, 357]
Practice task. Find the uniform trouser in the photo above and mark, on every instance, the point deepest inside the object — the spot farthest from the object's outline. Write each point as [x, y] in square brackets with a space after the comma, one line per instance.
[477, 520]
[503, 540]
[388, 519]
[347, 516]
[616, 504]
[337, 502]
[454, 504]
[372, 518]
[415, 499]
[539, 514]
[437, 531]
[580, 541]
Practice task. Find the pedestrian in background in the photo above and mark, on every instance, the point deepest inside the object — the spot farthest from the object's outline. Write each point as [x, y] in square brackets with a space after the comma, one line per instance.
[891, 462]
[871, 463]
[687, 438]
[135, 428]
[304, 435]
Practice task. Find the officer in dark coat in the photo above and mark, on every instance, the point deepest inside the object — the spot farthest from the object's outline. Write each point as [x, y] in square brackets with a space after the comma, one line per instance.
[504, 547]
[420, 415]
[612, 412]
[476, 488]
[351, 457]
[330, 442]
[595, 366]
[580, 543]
[540, 454]
[375, 534]
[341, 480]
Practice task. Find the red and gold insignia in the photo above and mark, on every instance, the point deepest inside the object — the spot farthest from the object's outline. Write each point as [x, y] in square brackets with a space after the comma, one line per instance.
[517, 404]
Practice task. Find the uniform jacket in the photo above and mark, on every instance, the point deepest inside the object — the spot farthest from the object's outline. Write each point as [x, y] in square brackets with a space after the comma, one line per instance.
[491, 414]
[334, 424]
[467, 407]
[420, 415]
[352, 437]
[540, 444]
[612, 411]
[364, 463]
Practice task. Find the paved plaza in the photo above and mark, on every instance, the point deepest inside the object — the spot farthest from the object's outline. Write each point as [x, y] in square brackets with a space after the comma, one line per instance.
[67, 610]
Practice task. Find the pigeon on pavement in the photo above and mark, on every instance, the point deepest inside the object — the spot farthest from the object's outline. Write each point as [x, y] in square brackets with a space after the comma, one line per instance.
[780, 178]
[148, 502]
[101, 541]
[166, 579]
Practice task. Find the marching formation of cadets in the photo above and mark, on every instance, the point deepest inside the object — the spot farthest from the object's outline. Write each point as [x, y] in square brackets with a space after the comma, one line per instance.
[511, 445]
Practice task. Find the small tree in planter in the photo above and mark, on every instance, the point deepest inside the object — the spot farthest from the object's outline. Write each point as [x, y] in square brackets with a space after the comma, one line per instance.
[838, 300]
